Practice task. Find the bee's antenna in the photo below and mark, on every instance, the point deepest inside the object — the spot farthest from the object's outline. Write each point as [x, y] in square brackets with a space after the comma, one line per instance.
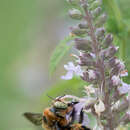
[50, 97]
[58, 99]
[61, 96]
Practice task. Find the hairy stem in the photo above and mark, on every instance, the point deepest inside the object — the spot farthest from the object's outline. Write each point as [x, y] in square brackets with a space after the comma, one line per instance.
[100, 66]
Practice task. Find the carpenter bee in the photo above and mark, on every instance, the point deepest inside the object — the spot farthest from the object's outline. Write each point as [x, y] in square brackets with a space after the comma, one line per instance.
[60, 116]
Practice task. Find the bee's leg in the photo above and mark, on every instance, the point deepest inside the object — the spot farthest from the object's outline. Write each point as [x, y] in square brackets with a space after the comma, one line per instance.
[57, 126]
[81, 116]
[79, 127]
[44, 119]
[85, 128]
[60, 126]
[46, 125]
[72, 115]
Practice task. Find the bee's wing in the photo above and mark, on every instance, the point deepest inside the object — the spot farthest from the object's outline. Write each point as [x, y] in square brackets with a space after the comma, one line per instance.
[35, 118]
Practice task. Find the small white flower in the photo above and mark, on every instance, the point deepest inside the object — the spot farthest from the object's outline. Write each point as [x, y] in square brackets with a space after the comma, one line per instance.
[125, 88]
[89, 89]
[116, 80]
[72, 70]
[100, 107]
[91, 74]
[116, 105]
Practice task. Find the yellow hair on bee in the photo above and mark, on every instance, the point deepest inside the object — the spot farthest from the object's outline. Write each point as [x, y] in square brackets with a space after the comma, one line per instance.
[50, 119]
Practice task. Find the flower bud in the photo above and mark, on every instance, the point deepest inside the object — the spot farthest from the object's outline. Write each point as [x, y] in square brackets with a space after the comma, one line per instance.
[112, 62]
[73, 2]
[100, 32]
[96, 12]
[101, 20]
[88, 55]
[75, 14]
[91, 76]
[108, 40]
[83, 25]
[82, 44]
[115, 70]
[118, 67]
[120, 64]
[79, 32]
[85, 61]
[109, 52]
[95, 4]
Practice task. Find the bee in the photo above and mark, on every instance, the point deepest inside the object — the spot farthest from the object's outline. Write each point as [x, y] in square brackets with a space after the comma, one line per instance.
[60, 116]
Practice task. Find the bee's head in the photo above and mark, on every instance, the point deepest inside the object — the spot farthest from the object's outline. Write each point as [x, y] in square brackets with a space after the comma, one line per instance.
[59, 108]
[63, 103]
[60, 105]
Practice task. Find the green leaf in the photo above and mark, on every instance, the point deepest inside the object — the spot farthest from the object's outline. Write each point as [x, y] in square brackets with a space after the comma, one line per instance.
[116, 25]
[60, 51]
[73, 87]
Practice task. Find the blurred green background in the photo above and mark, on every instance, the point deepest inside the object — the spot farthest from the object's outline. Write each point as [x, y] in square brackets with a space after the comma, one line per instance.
[29, 32]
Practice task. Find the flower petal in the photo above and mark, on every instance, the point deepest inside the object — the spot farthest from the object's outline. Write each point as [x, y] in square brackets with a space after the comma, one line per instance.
[69, 66]
[92, 74]
[68, 76]
[116, 80]
[100, 107]
[72, 70]
[78, 71]
[124, 89]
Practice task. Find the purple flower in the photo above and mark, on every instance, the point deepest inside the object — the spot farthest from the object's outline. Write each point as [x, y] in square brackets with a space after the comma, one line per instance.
[72, 70]
[93, 55]
[124, 73]
[115, 80]
[125, 88]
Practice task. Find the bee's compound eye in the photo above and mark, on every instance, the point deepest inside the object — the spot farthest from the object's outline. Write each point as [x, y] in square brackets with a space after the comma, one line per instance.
[44, 119]
[60, 105]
